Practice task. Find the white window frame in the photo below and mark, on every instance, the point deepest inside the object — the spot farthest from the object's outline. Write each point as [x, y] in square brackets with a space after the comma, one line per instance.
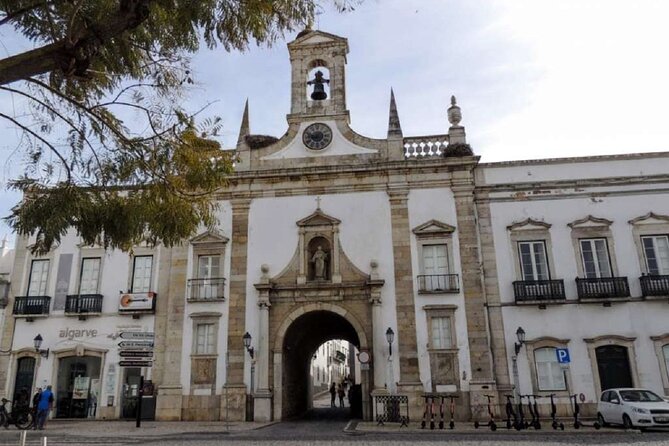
[43, 284]
[205, 343]
[597, 261]
[133, 287]
[96, 276]
[532, 345]
[535, 274]
[444, 338]
[591, 227]
[662, 261]
[553, 366]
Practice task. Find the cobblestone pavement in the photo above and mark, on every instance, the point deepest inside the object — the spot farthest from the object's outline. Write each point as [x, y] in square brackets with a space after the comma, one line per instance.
[321, 426]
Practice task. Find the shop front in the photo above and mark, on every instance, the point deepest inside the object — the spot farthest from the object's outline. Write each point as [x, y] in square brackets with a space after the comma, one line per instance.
[78, 386]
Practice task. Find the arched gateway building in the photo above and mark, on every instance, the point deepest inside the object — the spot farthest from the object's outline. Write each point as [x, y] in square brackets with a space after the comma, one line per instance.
[327, 234]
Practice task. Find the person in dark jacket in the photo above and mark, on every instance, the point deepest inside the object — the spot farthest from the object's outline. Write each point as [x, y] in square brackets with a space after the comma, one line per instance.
[333, 395]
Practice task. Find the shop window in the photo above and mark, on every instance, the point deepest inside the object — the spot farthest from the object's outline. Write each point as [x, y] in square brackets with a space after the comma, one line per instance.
[550, 375]
[39, 274]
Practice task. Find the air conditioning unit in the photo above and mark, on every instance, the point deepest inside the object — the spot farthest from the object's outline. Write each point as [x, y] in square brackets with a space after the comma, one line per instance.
[137, 301]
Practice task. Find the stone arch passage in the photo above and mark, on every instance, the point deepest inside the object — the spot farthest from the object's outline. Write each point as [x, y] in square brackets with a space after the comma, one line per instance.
[301, 340]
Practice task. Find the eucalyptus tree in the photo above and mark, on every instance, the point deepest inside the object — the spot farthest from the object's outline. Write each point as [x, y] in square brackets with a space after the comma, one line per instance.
[109, 149]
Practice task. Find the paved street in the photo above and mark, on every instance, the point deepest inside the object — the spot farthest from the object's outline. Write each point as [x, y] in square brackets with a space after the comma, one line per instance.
[322, 425]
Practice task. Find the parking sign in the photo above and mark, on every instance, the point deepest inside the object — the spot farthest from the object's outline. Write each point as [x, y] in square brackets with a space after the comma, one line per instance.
[563, 355]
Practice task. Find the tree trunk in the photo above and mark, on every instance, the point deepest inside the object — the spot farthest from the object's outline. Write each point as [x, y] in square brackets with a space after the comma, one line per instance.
[31, 63]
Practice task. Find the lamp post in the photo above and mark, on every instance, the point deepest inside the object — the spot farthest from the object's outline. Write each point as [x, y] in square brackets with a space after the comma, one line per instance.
[247, 344]
[38, 343]
[520, 335]
[390, 336]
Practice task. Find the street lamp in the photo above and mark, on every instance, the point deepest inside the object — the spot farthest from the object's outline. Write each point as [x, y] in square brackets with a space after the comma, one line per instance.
[247, 343]
[390, 336]
[520, 335]
[38, 343]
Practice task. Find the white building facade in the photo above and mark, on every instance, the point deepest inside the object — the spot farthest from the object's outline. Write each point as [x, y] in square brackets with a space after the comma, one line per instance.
[325, 234]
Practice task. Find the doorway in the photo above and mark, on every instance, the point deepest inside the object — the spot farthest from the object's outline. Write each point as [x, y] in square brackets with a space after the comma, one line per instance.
[25, 374]
[301, 342]
[77, 387]
[614, 367]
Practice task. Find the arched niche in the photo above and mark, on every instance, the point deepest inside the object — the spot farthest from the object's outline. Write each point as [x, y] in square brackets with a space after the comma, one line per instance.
[319, 254]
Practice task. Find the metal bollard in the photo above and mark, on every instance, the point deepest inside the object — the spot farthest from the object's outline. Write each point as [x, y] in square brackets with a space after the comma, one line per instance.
[22, 438]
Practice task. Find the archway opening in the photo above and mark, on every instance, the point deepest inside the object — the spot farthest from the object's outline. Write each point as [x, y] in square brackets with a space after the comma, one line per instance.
[335, 377]
[301, 343]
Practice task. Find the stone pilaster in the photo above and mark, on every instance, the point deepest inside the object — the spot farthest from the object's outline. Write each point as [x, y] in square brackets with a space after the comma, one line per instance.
[409, 383]
[168, 327]
[262, 398]
[235, 387]
[7, 340]
[482, 381]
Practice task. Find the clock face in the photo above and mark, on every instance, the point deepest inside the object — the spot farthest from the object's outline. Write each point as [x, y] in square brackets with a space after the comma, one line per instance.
[317, 136]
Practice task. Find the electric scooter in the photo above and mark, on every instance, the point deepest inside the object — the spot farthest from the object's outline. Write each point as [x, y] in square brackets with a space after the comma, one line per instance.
[432, 413]
[441, 413]
[537, 420]
[451, 407]
[577, 411]
[530, 409]
[510, 413]
[555, 423]
[424, 421]
[491, 418]
[522, 424]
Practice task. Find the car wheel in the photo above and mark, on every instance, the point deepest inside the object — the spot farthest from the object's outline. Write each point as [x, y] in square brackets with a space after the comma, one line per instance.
[601, 420]
[627, 422]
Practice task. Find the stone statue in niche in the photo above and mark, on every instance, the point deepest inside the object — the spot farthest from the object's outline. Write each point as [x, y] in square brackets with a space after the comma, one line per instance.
[319, 260]
[319, 86]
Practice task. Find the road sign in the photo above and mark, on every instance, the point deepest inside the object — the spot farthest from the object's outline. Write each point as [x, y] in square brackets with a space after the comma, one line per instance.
[146, 354]
[135, 344]
[134, 363]
[136, 335]
[563, 355]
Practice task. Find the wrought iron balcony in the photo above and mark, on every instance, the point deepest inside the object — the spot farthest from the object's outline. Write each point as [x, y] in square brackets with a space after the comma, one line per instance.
[32, 305]
[539, 290]
[602, 288]
[438, 283]
[83, 303]
[206, 289]
[654, 285]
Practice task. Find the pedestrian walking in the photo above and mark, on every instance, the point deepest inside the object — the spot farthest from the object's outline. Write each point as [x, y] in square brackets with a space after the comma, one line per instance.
[44, 407]
[341, 392]
[36, 398]
[333, 395]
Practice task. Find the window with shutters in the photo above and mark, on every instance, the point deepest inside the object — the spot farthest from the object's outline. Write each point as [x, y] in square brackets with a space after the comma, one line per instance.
[141, 274]
[90, 275]
[550, 375]
[39, 275]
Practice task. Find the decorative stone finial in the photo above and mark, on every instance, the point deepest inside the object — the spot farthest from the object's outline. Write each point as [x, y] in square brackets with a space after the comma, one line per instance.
[244, 128]
[454, 113]
[394, 127]
[264, 269]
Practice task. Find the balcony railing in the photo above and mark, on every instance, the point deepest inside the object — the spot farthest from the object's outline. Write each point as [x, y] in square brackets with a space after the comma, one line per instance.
[654, 285]
[602, 287]
[425, 146]
[206, 289]
[32, 305]
[438, 283]
[83, 303]
[539, 290]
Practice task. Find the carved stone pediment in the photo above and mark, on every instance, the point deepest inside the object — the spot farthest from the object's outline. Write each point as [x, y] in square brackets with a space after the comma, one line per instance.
[528, 224]
[318, 218]
[650, 218]
[433, 228]
[589, 222]
[209, 237]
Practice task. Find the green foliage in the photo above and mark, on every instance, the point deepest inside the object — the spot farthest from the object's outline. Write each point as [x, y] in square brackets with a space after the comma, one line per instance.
[109, 150]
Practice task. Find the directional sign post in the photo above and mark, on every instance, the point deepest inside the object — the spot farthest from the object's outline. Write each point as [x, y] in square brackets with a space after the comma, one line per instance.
[136, 335]
[135, 344]
[145, 354]
[135, 363]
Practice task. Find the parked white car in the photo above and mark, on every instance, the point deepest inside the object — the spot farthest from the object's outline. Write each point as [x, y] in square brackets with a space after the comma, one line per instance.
[632, 408]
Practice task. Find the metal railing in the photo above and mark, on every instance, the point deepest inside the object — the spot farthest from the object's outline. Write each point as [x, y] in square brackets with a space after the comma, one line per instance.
[392, 409]
[206, 289]
[654, 285]
[438, 283]
[533, 290]
[602, 287]
[83, 303]
[32, 304]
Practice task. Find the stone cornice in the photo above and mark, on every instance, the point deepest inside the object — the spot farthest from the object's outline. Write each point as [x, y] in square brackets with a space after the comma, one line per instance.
[596, 221]
[649, 216]
[528, 222]
[433, 227]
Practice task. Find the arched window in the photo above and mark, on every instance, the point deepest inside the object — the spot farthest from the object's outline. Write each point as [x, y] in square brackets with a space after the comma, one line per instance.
[549, 373]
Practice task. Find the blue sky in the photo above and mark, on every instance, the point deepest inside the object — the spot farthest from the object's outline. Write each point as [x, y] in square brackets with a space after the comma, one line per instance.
[534, 78]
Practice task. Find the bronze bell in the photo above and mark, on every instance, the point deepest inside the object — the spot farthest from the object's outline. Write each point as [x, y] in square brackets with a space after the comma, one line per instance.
[319, 86]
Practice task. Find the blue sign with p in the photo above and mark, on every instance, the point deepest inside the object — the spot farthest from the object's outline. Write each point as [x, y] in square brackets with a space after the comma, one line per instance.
[563, 355]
